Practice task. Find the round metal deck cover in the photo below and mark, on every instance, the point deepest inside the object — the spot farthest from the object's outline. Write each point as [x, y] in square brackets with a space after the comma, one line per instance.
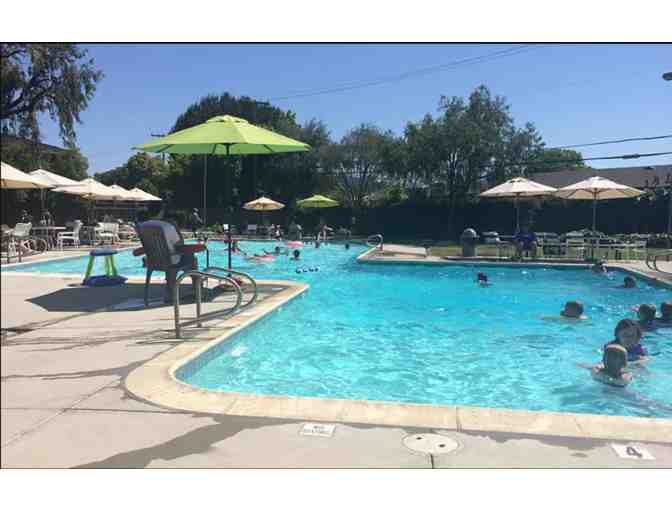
[433, 444]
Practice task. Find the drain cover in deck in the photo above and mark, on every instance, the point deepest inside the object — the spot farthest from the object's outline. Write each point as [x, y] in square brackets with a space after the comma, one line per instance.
[434, 444]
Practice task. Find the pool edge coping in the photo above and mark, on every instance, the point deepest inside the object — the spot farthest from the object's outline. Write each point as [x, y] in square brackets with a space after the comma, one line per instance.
[155, 381]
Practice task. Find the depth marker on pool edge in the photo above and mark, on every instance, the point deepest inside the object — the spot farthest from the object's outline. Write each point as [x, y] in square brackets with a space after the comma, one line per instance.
[318, 430]
[629, 451]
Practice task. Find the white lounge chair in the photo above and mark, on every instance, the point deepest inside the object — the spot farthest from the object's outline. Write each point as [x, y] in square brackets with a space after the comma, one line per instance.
[71, 236]
[252, 229]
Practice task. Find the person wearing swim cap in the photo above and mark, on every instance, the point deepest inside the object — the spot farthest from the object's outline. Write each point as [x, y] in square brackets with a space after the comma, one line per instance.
[614, 360]
[628, 334]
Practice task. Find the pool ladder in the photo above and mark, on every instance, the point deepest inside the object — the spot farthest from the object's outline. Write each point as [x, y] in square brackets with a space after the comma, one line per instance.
[375, 241]
[204, 275]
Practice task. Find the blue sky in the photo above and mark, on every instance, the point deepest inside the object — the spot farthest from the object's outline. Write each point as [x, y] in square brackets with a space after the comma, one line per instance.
[573, 93]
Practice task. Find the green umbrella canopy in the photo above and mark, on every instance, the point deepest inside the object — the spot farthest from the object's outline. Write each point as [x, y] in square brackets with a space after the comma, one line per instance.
[317, 202]
[224, 135]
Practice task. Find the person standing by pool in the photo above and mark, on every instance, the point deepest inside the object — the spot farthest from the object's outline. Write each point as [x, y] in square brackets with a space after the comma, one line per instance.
[195, 221]
[525, 240]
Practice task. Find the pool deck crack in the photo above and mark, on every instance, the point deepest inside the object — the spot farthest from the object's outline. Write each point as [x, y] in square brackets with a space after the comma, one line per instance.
[42, 423]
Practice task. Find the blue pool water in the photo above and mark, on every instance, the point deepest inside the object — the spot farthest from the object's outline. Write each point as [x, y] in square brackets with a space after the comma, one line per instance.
[428, 334]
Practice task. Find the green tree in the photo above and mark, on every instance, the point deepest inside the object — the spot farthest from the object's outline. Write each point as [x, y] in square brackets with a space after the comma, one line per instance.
[548, 160]
[45, 78]
[142, 171]
[357, 165]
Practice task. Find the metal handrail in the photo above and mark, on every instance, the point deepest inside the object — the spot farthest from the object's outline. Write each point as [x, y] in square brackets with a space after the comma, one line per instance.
[370, 242]
[652, 261]
[212, 315]
[255, 290]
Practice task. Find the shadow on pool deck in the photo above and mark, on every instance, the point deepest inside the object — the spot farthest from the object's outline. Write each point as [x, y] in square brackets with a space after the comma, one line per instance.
[78, 298]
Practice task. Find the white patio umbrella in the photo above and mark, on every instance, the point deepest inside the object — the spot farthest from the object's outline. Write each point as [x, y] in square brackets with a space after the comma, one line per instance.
[516, 188]
[50, 180]
[91, 190]
[263, 204]
[597, 188]
[143, 196]
[13, 178]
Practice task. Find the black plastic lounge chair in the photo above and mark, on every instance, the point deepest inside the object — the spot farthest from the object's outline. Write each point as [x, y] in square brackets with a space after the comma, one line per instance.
[163, 248]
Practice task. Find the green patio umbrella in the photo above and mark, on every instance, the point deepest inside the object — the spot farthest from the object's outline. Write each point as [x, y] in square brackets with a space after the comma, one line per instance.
[223, 135]
[316, 202]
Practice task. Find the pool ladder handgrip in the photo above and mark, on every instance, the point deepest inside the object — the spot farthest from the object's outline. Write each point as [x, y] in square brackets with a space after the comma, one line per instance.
[201, 275]
[375, 241]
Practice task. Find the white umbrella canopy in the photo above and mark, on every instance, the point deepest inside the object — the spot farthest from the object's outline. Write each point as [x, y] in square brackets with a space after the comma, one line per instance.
[91, 189]
[125, 193]
[263, 204]
[516, 188]
[597, 188]
[51, 179]
[143, 196]
[12, 178]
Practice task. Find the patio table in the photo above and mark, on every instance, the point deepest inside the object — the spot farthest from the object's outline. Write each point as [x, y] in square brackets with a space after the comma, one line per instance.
[49, 234]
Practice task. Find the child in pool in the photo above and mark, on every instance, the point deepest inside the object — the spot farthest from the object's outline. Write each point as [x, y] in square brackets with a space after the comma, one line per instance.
[599, 268]
[482, 279]
[614, 360]
[628, 283]
[646, 314]
[628, 335]
[295, 255]
[665, 319]
[573, 310]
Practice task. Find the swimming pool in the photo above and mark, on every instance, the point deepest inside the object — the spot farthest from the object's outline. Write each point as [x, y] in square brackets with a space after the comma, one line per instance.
[428, 334]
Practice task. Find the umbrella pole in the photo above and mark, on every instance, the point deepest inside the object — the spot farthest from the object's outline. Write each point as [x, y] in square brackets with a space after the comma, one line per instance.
[205, 188]
[515, 200]
[594, 210]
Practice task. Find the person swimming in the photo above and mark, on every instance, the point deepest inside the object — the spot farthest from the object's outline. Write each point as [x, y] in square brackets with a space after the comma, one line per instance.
[347, 246]
[258, 257]
[665, 319]
[295, 255]
[599, 267]
[628, 283]
[628, 334]
[610, 371]
[482, 279]
[573, 310]
[646, 314]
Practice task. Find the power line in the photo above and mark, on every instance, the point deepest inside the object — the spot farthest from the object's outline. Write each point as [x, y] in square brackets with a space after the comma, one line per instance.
[418, 72]
[622, 140]
[575, 160]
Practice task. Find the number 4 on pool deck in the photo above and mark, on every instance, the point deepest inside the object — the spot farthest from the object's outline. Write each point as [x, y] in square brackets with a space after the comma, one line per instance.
[628, 451]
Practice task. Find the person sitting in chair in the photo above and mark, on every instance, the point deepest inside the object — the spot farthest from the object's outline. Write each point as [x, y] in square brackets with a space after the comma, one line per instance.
[525, 240]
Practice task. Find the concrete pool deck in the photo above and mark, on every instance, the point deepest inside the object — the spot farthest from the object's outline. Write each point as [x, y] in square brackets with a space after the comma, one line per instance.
[70, 358]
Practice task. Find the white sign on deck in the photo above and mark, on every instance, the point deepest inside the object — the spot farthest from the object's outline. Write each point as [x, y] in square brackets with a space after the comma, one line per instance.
[318, 429]
[630, 451]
